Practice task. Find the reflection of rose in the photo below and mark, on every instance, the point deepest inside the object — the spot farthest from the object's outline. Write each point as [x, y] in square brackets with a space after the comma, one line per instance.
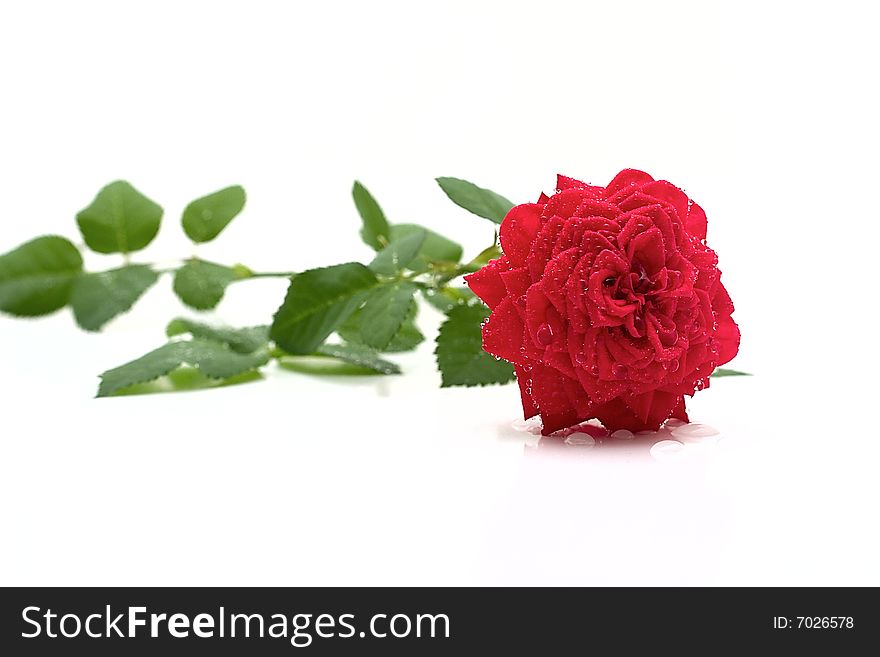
[608, 303]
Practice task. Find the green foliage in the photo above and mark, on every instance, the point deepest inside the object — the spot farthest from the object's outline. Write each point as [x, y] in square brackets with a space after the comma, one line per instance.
[400, 253]
[119, 220]
[36, 278]
[449, 297]
[482, 202]
[317, 302]
[435, 248]
[243, 340]
[372, 308]
[206, 217]
[407, 338]
[375, 230]
[213, 359]
[98, 298]
[201, 284]
[720, 372]
[384, 313]
[460, 355]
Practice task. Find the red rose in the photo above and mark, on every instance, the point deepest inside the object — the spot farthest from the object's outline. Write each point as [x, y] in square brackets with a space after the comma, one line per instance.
[608, 303]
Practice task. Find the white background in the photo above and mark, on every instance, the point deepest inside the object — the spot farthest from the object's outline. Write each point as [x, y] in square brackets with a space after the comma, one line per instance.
[764, 112]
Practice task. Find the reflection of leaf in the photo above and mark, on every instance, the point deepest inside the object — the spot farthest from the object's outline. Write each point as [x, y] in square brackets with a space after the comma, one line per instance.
[340, 359]
[720, 371]
[36, 278]
[213, 359]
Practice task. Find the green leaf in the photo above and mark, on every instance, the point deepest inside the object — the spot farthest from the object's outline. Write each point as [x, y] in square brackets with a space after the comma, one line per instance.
[360, 356]
[399, 254]
[36, 278]
[460, 355]
[384, 312]
[491, 253]
[119, 220]
[481, 202]
[186, 379]
[448, 298]
[206, 217]
[719, 372]
[435, 248]
[317, 302]
[407, 338]
[375, 230]
[214, 360]
[243, 340]
[98, 298]
[201, 284]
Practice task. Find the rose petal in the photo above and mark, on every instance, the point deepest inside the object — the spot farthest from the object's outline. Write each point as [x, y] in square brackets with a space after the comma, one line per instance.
[487, 283]
[669, 193]
[648, 249]
[502, 333]
[517, 231]
[549, 394]
[625, 180]
[557, 275]
[696, 222]
[523, 378]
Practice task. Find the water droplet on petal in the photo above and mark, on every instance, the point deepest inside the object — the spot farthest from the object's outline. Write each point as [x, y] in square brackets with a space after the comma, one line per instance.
[544, 335]
[619, 370]
[623, 434]
[671, 366]
[580, 359]
[668, 337]
[594, 370]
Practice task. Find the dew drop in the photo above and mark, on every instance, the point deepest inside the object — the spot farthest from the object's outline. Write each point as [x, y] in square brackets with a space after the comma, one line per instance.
[666, 450]
[580, 439]
[580, 359]
[544, 335]
[691, 431]
[671, 366]
[623, 434]
[619, 370]
[594, 370]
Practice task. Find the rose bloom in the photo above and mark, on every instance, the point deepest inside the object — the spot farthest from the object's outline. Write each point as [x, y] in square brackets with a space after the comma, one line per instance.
[608, 303]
